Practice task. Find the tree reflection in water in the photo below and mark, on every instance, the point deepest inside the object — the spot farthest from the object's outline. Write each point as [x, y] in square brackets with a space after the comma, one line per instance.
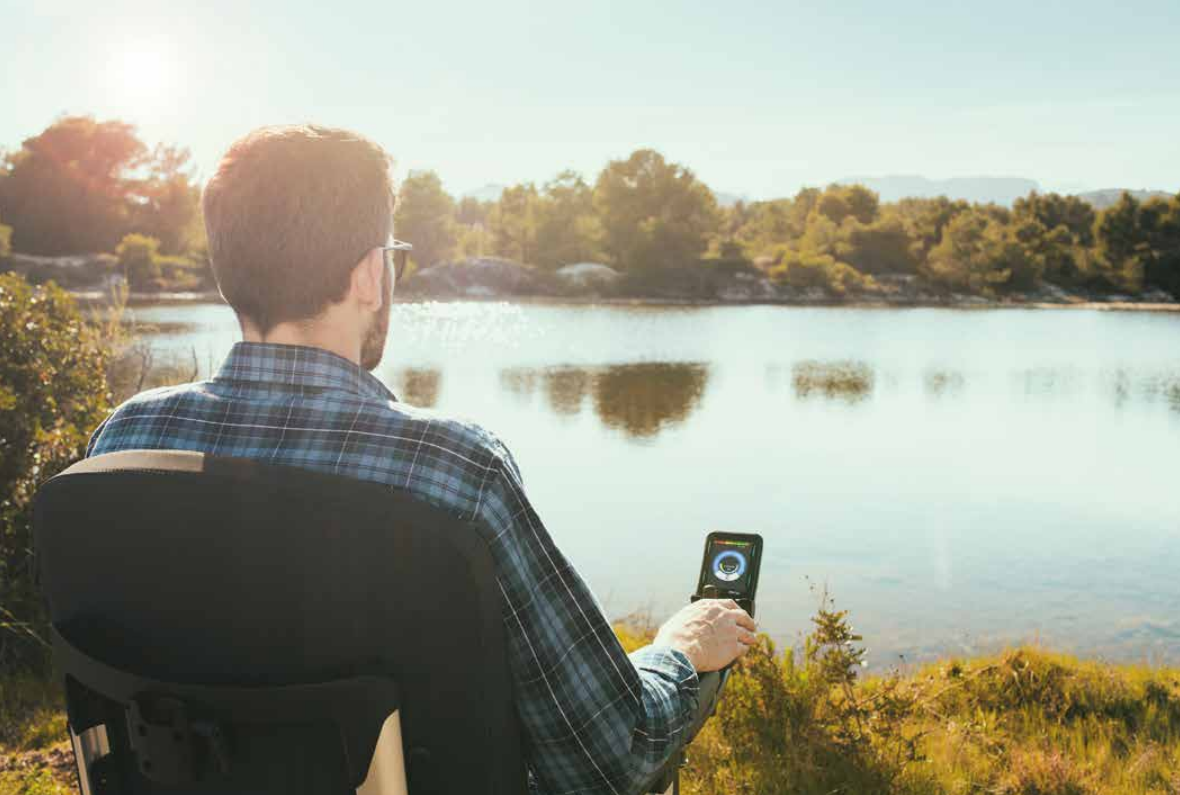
[638, 399]
[643, 399]
[850, 381]
[419, 386]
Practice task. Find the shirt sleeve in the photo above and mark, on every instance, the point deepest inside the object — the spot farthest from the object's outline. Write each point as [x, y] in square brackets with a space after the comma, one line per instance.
[594, 719]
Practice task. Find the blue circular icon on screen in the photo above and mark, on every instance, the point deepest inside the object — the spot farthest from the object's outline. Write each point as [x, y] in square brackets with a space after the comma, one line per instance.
[729, 565]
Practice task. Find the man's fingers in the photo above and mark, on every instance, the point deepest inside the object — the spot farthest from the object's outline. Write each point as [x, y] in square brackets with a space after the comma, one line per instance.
[728, 603]
[742, 650]
[747, 638]
[743, 620]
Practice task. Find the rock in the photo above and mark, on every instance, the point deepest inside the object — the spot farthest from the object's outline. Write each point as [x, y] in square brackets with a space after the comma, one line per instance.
[587, 276]
[80, 271]
[1158, 297]
[477, 277]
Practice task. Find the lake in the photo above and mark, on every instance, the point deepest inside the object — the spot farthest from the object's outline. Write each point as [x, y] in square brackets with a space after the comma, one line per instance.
[958, 480]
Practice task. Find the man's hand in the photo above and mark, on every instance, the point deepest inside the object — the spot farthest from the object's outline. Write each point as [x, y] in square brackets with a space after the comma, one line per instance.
[712, 633]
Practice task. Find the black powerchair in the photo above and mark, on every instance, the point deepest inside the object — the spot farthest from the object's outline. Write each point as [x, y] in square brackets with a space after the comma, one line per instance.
[225, 626]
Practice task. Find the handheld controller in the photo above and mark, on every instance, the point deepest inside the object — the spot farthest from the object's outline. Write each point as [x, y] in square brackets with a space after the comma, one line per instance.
[730, 567]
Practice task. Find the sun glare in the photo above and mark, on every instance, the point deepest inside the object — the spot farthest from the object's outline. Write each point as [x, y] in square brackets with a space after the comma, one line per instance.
[141, 74]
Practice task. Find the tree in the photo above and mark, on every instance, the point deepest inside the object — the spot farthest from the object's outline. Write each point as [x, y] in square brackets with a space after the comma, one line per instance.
[166, 204]
[838, 202]
[884, 246]
[1060, 228]
[139, 257]
[980, 254]
[567, 229]
[5, 240]
[52, 395]
[81, 184]
[1159, 221]
[513, 223]
[425, 217]
[653, 213]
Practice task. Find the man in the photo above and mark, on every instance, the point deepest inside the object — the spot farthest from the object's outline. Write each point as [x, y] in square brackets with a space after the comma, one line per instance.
[299, 221]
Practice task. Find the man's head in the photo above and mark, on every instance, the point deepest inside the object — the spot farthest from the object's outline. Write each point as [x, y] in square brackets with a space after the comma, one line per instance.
[295, 218]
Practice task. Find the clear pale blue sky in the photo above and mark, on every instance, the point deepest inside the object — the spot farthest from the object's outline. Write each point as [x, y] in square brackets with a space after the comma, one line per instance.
[758, 97]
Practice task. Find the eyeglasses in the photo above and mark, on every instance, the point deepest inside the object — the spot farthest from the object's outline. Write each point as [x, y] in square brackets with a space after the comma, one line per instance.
[396, 254]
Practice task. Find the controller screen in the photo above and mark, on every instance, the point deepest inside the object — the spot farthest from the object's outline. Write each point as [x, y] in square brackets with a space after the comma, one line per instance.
[730, 564]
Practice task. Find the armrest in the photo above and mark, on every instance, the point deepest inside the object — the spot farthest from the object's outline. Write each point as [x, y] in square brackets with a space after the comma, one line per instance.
[710, 685]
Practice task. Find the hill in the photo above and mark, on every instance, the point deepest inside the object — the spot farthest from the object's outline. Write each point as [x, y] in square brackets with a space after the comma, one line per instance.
[1001, 190]
[1101, 199]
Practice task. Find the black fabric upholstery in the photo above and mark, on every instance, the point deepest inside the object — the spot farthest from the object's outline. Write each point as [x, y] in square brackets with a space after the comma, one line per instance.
[231, 572]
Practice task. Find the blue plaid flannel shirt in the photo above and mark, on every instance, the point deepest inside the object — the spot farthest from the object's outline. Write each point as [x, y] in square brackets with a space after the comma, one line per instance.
[594, 719]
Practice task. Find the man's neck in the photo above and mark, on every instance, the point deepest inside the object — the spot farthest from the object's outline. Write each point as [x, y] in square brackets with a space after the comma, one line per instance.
[310, 335]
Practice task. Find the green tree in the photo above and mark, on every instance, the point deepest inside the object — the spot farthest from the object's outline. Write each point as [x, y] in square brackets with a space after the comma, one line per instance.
[139, 257]
[166, 203]
[513, 223]
[567, 229]
[1121, 246]
[980, 254]
[924, 220]
[5, 240]
[653, 213]
[838, 202]
[1159, 221]
[425, 217]
[52, 395]
[883, 246]
[1060, 228]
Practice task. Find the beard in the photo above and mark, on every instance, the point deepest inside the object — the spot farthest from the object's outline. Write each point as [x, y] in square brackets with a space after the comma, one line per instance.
[373, 345]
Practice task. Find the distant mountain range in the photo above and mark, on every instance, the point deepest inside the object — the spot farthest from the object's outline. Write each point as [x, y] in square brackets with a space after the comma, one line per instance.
[1001, 190]
[491, 192]
[1101, 199]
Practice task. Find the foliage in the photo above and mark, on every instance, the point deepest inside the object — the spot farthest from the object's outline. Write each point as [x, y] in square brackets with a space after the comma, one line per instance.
[982, 255]
[513, 223]
[1025, 722]
[567, 229]
[653, 213]
[139, 257]
[425, 216]
[5, 240]
[52, 395]
[81, 185]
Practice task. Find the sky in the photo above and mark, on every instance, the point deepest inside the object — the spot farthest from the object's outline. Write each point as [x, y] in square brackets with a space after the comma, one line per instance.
[758, 98]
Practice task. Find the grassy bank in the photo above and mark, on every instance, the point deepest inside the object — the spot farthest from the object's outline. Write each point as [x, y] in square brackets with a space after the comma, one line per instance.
[1026, 722]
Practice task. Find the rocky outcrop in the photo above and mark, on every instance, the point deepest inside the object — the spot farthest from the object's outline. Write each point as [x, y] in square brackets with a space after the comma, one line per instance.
[478, 277]
[588, 277]
[80, 272]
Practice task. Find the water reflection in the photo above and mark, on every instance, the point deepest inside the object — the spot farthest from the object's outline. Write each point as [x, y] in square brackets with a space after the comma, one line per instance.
[642, 399]
[566, 389]
[850, 381]
[639, 399]
[419, 386]
[940, 383]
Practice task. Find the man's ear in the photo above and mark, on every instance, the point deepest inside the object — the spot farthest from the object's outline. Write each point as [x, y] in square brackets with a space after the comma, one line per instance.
[367, 280]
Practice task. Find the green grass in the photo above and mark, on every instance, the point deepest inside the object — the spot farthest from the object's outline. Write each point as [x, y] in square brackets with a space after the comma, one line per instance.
[806, 722]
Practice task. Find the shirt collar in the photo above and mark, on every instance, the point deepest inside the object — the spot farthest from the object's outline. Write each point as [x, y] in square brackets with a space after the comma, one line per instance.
[299, 366]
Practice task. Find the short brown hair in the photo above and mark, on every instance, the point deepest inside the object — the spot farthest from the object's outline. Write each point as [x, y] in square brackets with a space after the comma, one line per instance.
[289, 213]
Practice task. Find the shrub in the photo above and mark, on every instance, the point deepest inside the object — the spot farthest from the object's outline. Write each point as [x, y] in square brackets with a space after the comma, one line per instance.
[52, 394]
[5, 240]
[809, 269]
[139, 257]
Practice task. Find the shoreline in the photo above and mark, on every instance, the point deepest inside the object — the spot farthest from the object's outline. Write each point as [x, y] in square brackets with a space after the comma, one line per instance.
[969, 303]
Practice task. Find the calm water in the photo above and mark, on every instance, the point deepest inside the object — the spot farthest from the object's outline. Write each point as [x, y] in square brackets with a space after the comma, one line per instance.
[957, 479]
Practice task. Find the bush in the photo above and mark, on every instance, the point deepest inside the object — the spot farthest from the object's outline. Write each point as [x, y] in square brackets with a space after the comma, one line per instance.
[139, 257]
[5, 240]
[808, 269]
[52, 394]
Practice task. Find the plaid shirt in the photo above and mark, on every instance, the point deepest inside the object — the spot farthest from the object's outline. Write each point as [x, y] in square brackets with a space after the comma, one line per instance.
[594, 719]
